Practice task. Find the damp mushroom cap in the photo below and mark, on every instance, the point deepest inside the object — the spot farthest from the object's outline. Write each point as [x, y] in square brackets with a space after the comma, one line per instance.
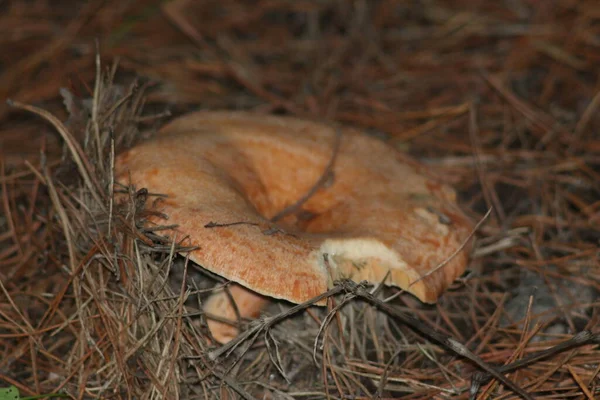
[380, 216]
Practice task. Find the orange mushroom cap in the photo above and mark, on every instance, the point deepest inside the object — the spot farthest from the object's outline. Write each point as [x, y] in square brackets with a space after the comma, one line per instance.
[226, 174]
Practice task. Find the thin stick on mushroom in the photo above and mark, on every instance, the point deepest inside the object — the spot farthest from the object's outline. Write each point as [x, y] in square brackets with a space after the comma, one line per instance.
[326, 179]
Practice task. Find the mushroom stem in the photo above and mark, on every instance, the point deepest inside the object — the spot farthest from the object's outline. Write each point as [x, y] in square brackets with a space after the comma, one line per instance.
[219, 304]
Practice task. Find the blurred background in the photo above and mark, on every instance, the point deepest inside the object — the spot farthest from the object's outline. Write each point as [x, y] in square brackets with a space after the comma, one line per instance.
[500, 98]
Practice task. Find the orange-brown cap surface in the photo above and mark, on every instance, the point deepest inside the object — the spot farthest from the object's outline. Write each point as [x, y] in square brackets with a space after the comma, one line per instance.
[227, 173]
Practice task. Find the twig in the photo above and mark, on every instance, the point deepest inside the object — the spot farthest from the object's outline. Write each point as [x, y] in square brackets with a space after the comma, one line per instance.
[219, 225]
[268, 322]
[580, 339]
[447, 341]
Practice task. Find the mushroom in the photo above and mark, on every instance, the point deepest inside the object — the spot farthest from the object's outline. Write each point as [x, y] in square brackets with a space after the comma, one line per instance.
[381, 217]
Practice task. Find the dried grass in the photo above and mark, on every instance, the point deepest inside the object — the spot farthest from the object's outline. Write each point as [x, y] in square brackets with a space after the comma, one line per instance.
[500, 98]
